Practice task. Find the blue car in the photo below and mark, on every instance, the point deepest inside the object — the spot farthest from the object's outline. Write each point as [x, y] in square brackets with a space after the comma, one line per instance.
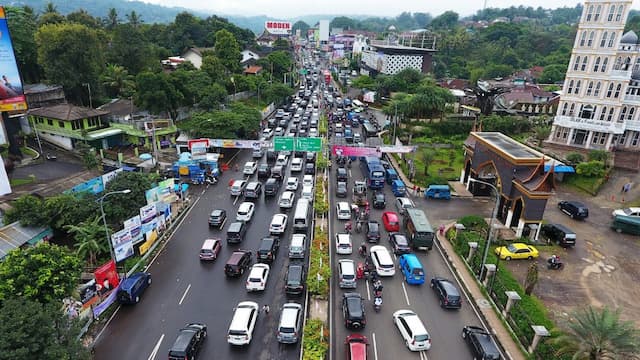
[131, 288]
[412, 269]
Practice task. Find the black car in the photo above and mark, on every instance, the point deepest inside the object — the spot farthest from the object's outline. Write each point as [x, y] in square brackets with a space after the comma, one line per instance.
[238, 263]
[188, 342]
[373, 231]
[268, 249]
[480, 343]
[217, 218]
[342, 175]
[264, 171]
[447, 292]
[294, 280]
[310, 168]
[271, 187]
[341, 189]
[271, 156]
[575, 209]
[379, 200]
[353, 311]
[399, 243]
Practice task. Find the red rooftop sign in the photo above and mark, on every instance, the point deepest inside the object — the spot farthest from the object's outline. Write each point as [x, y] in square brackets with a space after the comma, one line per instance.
[278, 27]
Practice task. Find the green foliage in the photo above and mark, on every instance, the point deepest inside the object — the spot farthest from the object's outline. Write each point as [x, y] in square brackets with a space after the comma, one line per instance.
[89, 156]
[531, 279]
[316, 340]
[553, 73]
[542, 132]
[69, 209]
[45, 273]
[119, 207]
[590, 185]
[446, 20]
[236, 122]
[31, 330]
[117, 81]
[319, 265]
[303, 26]
[227, 50]
[474, 222]
[574, 158]
[214, 67]
[363, 82]
[510, 125]
[591, 169]
[90, 239]
[156, 93]
[28, 210]
[598, 155]
[320, 204]
[276, 92]
[427, 156]
[23, 25]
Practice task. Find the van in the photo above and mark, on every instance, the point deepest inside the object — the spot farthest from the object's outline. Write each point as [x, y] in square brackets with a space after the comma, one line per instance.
[438, 192]
[238, 262]
[626, 224]
[243, 323]
[412, 269]
[560, 234]
[398, 188]
[236, 231]
[301, 216]
[210, 249]
[347, 274]
[290, 323]
[271, 187]
[307, 192]
[412, 330]
[390, 175]
[297, 246]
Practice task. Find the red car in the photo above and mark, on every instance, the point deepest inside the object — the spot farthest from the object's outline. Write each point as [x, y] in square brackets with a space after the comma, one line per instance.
[356, 347]
[391, 221]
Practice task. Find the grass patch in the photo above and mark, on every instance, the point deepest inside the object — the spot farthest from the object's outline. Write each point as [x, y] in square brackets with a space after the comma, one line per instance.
[590, 185]
[20, 182]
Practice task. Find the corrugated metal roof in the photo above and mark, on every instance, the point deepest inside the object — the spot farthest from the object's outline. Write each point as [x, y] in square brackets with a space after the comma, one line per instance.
[14, 235]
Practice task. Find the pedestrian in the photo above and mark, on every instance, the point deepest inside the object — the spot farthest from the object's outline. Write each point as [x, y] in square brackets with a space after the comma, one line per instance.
[265, 309]
[415, 189]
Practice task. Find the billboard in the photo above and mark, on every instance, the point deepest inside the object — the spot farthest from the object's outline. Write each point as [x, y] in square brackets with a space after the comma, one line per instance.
[278, 27]
[11, 92]
[324, 30]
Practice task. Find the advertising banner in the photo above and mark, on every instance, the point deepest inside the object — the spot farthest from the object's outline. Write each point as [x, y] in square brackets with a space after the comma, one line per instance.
[135, 228]
[123, 251]
[397, 149]
[238, 144]
[148, 227]
[94, 185]
[5, 185]
[198, 148]
[110, 176]
[152, 195]
[120, 237]
[340, 150]
[11, 91]
[108, 273]
[147, 213]
[278, 27]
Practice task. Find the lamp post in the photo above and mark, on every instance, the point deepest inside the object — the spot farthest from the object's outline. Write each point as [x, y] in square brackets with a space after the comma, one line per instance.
[104, 219]
[493, 216]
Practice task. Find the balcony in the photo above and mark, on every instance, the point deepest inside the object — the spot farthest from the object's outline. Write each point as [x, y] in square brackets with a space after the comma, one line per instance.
[574, 122]
[632, 99]
[620, 74]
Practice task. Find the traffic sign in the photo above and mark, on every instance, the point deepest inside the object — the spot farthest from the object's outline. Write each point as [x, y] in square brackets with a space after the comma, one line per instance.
[308, 144]
[281, 143]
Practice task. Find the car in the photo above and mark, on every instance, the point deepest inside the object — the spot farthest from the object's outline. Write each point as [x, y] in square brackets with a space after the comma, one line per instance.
[342, 175]
[250, 168]
[353, 311]
[238, 263]
[290, 324]
[390, 221]
[268, 249]
[271, 187]
[188, 342]
[267, 133]
[399, 243]
[278, 224]
[575, 209]
[279, 131]
[245, 211]
[237, 187]
[258, 276]
[415, 335]
[480, 343]
[632, 211]
[356, 347]
[132, 287]
[210, 249]
[313, 132]
[379, 200]
[310, 157]
[264, 171]
[282, 160]
[343, 244]
[382, 261]
[217, 218]
[287, 200]
[310, 168]
[292, 183]
[243, 322]
[341, 189]
[295, 280]
[347, 274]
[307, 180]
[296, 165]
[343, 210]
[283, 124]
[516, 251]
[403, 203]
[307, 192]
[253, 190]
[372, 229]
[277, 172]
[447, 292]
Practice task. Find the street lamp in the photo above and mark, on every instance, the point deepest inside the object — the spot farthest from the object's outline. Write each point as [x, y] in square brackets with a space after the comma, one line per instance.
[493, 216]
[104, 219]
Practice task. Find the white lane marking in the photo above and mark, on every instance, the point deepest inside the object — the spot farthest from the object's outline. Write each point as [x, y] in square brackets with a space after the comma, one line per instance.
[236, 200]
[156, 348]
[406, 296]
[366, 284]
[375, 346]
[185, 294]
[423, 355]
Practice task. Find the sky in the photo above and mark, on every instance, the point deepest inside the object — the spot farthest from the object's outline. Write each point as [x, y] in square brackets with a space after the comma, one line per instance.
[294, 8]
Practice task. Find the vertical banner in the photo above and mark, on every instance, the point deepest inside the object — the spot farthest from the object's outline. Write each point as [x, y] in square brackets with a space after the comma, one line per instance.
[5, 185]
[11, 92]
[109, 273]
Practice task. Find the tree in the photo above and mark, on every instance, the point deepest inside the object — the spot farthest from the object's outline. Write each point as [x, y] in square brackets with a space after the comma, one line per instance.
[276, 92]
[212, 96]
[212, 65]
[447, 20]
[72, 208]
[120, 207]
[237, 122]
[303, 26]
[133, 18]
[31, 330]
[89, 156]
[363, 82]
[117, 81]
[532, 278]
[130, 48]
[83, 17]
[427, 156]
[228, 50]
[599, 334]
[574, 158]
[342, 22]
[156, 93]
[45, 273]
[111, 21]
[598, 155]
[89, 237]
[23, 25]
[542, 133]
[552, 73]
[28, 210]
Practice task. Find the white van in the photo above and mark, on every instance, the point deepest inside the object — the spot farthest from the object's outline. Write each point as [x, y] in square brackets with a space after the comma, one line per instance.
[297, 246]
[307, 192]
[290, 323]
[412, 329]
[301, 216]
[242, 324]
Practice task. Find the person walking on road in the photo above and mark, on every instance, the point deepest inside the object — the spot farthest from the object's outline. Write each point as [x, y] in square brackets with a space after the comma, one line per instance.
[265, 309]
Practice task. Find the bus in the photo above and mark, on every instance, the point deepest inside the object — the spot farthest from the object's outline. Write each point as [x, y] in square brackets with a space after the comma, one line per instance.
[373, 172]
[368, 130]
[327, 76]
[418, 229]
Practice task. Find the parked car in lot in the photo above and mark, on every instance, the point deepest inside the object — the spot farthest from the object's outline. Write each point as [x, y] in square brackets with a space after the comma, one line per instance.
[217, 218]
[399, 243]
[480, 343]
[258, 276]
[353, 311]
[559, 233]
[131, 288]
[516, 251]
[412, 330]
[575, 209]
[188, 342]
[447, 293]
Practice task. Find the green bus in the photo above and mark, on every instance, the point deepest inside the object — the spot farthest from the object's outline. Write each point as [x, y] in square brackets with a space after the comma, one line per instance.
[626, 224]
[419, 230]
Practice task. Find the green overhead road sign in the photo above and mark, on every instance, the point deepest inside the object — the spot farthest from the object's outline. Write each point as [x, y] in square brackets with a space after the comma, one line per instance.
[308, 144]
[281, 143]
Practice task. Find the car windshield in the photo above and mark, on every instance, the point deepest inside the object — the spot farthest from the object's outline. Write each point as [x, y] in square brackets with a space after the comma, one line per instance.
[401, 240]
[354, 306]
[512, 248]
[420, 338]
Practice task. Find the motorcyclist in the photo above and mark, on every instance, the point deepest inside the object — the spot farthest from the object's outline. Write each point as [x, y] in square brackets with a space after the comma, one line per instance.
[363, 249]
[554, 259]
[377, 285]
[359, 227]
[347, 227]
[377, 301]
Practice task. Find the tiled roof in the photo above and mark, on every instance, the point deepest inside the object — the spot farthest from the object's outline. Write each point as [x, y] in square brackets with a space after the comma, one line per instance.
[67, 112]
[253, 69]
[119, 107]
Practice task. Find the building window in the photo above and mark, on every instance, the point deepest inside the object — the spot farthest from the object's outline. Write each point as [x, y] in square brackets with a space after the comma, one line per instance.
[618, 89]
[596, 65]
[586, 112]
[604, 65]
[576, 63]
[570, 87]
[619, 14]
[596, 17]
[610, 90]
[592, 35]
[610, 116]
[583, 38]
[618, 64]
[635, 138]
[61, 124]
[626, 64]
[612, 9]
[623, 113]
[603, 113]
[564, 109]
[590, 88]
[50, 122]
[623, 138]
[585, 60]
[632, 111]
[572, 109]
[590, 13]
[612, 39]
[603, 41]
[578, 84]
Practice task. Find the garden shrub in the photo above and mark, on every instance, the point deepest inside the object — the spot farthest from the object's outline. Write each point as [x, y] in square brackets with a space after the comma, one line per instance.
[473, 222]
[574, 158]
[593, 168]
[316, 340]
[598, 155]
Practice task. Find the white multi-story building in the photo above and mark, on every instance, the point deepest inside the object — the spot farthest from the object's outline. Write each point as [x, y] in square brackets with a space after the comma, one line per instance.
[600, 104]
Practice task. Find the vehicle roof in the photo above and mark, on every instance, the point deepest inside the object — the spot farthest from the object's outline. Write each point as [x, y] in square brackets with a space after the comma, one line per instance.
[236, 256]
[563, 228]
[266, 242]
[218, 212]
[347, 264]
[129, 281]
[246, 205]
[412, 260]
[413, 320]
[236, 225]
[438, 187]
[343, 238]
[381, 250]
[258, 269]
[391, 215]
[210, 242]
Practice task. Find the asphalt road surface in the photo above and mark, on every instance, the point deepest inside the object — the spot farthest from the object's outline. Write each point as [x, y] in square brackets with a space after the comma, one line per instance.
[185, 290]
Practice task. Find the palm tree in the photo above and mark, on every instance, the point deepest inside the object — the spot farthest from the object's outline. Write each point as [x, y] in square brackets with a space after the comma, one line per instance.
[599, 334]
[89, 237]
[112, 19]
[134, 18]
[118, 80]
[50, 8]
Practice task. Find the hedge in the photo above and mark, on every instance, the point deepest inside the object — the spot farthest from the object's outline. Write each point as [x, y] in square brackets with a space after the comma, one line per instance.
[315, 343]
[320, 264]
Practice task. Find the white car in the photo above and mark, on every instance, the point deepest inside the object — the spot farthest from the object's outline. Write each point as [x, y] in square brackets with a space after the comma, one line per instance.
[382, 261]
[245, 211]
[287, 199]
[250, 168]
[313, 132]
[632, 211]
[296, 165]
[279, 131]
[282, 160]
[267, 133]
[343, 244]
[343, 210]
[258, 277]
[243, 322]
[307, 192]
[292, 183]
[412, 330]
[278, 224]
[403, 203]
[307, 180]
[237, 187]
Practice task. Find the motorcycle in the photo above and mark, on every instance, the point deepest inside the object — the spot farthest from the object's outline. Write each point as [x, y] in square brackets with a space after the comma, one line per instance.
[210, 180]
[554, 265]
[347, 227]
[377, 304]
[359, 227]
[377, 288]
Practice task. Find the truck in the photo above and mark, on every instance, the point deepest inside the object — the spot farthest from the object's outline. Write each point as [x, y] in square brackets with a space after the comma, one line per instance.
[360, 193]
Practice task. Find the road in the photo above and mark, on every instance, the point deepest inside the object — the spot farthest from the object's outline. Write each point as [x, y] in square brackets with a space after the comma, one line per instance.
[186, 290]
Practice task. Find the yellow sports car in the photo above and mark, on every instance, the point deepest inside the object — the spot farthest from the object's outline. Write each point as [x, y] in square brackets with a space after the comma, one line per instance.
[517, 251]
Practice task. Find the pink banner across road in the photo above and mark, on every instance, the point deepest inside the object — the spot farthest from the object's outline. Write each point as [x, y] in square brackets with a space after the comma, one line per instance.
[341, 150]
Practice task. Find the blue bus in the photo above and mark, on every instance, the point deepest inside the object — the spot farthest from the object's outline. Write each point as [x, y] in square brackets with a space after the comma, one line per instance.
[373, 172]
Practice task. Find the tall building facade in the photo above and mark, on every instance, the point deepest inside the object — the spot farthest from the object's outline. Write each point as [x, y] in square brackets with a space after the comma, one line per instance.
[600, 104]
